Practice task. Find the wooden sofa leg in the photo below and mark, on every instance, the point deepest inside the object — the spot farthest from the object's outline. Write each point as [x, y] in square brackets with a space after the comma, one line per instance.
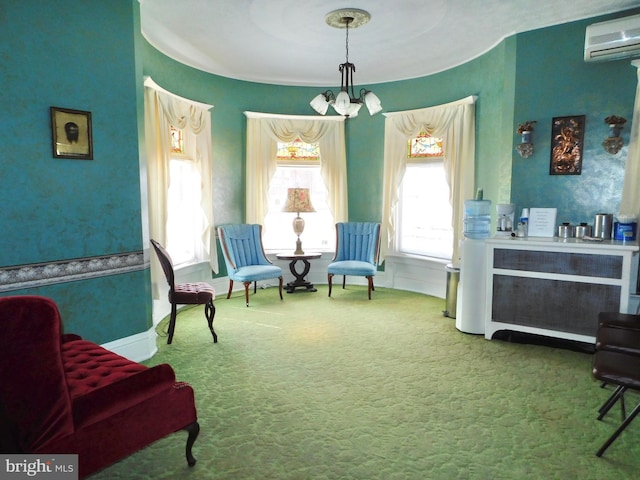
[329, 280]
[370, 279]
[210, 312]
[230, 289]
[193, 430]
[280, 287]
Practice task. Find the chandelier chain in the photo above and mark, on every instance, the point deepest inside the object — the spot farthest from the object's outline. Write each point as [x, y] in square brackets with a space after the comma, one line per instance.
[347, 20]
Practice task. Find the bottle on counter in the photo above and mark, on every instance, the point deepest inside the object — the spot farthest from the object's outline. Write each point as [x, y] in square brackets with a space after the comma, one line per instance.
[523, 225]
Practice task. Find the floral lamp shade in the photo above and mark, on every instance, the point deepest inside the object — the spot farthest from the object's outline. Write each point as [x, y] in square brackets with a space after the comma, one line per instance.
[298, 200]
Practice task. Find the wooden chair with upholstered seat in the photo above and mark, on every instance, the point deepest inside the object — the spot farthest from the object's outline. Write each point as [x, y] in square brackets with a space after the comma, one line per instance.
[197, 293]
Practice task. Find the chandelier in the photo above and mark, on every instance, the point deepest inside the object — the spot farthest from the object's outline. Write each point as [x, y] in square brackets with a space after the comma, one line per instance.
[346, 103]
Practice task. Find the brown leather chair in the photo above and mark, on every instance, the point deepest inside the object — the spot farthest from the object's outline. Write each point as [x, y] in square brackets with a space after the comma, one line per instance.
[617, 332]
[198, 293]
[617, 362]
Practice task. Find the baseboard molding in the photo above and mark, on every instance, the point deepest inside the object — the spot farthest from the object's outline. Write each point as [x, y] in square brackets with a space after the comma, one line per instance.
[137, 348]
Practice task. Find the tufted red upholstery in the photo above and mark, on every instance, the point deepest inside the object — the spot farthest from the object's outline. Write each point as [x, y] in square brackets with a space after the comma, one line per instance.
[62, 394]
[88, 366]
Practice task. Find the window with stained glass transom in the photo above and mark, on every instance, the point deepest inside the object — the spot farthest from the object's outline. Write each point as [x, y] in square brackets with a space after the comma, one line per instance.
[185, 218]
[424, 210]
[298, 165]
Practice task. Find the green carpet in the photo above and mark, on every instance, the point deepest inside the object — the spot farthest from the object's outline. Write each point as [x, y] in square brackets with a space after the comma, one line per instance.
[346, 388]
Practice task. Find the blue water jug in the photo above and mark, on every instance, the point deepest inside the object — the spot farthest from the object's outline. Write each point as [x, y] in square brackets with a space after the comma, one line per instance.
[477, 218]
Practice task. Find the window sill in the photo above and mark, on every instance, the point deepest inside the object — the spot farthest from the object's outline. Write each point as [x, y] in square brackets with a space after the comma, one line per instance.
[187, 268]
[409, 257]
[275, 251]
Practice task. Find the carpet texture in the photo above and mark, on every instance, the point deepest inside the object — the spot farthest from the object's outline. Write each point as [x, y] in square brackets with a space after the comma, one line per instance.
[313, 387]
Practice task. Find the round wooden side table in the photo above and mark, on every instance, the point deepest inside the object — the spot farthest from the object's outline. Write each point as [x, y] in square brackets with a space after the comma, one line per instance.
[299, 281]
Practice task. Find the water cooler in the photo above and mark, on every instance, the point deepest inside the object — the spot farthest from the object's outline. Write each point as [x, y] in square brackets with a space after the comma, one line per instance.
[471, 301]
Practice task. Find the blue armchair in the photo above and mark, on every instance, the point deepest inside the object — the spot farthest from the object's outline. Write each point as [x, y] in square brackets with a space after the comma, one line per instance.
[245, 258]
[357, 252]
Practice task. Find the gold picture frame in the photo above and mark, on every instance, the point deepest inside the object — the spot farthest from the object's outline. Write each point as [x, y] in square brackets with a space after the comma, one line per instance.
[71, 134]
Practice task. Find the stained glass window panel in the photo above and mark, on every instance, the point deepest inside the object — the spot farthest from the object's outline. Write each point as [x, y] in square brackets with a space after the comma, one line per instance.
[298, 150]
[424, 145]
[177, 140]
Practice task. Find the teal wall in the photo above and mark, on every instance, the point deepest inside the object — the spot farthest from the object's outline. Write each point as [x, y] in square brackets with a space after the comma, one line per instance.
[364, 134]
[91, 56]
[77, 55]
[101, 309]
[552, 80]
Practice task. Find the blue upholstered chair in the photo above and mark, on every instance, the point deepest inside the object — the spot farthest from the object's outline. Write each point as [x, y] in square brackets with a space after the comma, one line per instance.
[245, 258]
[357, 252]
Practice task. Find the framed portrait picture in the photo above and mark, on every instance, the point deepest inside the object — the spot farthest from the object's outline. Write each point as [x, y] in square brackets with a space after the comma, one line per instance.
[567, 145]
[71, 134]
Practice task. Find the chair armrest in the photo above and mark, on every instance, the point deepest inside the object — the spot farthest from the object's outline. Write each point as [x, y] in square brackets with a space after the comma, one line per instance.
[118, 396]
[70, 337]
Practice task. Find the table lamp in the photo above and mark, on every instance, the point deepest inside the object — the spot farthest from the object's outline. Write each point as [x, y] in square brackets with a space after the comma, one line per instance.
[298, 201]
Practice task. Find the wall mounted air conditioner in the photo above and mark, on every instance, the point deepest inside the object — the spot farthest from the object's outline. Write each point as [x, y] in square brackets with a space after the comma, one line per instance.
[612, 40]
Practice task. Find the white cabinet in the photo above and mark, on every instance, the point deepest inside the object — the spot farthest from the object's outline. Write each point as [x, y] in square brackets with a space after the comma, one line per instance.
[556, 287]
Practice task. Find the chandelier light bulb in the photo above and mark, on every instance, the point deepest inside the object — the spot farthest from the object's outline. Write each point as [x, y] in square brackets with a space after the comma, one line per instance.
[372, 102]
[353, 110]
[343, 102]
[320, 104]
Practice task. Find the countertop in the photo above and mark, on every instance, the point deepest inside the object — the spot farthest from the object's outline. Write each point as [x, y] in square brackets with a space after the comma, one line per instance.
[562, 243]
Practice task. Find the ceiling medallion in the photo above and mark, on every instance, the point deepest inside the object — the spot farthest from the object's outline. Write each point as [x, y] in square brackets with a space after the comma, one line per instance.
[337, 18]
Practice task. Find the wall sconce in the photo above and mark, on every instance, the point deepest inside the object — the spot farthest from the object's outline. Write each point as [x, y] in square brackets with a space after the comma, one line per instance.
[614, 142]
[525, 147]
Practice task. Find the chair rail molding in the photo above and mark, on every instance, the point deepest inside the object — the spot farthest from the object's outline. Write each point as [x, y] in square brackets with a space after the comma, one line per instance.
[38, 274]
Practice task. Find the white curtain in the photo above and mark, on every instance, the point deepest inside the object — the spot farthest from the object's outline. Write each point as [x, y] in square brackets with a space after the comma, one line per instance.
[455, 124]
[264, 131]
[161, 110]
[630, 192]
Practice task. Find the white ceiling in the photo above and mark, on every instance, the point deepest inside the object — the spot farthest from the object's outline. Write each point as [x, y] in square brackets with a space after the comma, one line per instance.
[287, 42]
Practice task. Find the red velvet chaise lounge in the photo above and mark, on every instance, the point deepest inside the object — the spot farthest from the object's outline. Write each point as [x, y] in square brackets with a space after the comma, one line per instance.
[62, 394]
